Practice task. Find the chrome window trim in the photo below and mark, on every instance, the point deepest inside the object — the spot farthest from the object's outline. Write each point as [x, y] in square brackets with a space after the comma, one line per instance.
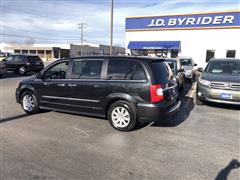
[73, 99]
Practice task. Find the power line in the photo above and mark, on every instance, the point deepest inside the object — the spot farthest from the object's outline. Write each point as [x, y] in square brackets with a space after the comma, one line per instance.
[21, 36]
[24, 30]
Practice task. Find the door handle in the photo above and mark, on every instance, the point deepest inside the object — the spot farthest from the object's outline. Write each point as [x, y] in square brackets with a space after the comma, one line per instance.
[61, 85]
[72, 85]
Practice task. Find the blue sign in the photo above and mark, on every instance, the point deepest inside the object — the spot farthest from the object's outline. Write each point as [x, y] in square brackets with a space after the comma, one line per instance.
[190, 21]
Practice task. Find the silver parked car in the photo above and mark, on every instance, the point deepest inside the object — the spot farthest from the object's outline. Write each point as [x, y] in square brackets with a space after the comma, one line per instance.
[188, 65]
[219, 82]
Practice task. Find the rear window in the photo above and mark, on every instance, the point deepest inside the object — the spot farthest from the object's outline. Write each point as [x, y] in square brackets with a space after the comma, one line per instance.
[161, 72]
[33, 58]
[186, 62]
[125, 70]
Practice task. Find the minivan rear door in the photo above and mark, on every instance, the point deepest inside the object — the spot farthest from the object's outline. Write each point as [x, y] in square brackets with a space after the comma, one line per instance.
[163, 75]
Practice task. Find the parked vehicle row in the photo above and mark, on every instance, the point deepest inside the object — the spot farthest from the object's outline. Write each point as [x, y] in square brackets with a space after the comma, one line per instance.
[127, 90]
[21, 64]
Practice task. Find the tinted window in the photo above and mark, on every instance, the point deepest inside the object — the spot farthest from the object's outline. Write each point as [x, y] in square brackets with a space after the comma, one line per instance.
[87, 69]
[58, 71]
[231, 53]
[125, 70]
[19, 58]
[34, 58]
[210, 54]
[224, 67]
[10, 58]
[186, 62]
[161, 72]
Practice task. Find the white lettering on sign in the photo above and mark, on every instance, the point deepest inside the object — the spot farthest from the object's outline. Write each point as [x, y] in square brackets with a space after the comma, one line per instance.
[181, 21]
[228, 19]
[158, 22]
[206, 20]
[172, 22]
[217, 20]
[192, 21]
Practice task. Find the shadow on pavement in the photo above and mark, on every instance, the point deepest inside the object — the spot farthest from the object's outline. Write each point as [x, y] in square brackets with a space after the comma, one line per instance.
[223, 174]
[14, 75]
[224, 106]
[13, 118]
[187, 105]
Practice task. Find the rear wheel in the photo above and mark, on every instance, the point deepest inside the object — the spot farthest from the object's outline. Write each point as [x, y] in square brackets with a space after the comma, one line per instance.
[122, 116]
[1, 75]
[22, 70]
[29, 102]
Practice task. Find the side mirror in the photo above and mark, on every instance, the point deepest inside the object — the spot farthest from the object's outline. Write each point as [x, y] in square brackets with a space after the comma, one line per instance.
[200, 69]
[195, 64]
[181, 70]
[39, 75]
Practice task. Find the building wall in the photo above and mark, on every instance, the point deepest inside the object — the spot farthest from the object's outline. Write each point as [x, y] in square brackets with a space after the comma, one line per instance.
[75, 50]
[194, 43]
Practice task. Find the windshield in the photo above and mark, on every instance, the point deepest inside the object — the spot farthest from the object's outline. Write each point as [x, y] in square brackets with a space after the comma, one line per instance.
[224, 67]
[186, 62]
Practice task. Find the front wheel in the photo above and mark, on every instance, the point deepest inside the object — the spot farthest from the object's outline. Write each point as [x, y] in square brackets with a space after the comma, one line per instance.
[122, 116]
[199, 101]
[29, 102]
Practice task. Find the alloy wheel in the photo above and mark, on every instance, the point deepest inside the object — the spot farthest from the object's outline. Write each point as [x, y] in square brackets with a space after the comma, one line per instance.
[120, 117]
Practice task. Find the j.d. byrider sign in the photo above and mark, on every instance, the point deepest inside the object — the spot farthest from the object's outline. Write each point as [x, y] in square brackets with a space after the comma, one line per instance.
[187, 21]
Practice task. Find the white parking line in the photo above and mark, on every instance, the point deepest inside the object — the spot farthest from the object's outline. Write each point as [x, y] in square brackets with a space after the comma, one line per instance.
[190, 94]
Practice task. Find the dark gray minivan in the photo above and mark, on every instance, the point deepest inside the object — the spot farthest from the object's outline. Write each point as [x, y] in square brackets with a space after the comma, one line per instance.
[125, 89]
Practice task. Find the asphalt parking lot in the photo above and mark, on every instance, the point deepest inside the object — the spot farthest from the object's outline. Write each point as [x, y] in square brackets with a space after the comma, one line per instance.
[201, 142]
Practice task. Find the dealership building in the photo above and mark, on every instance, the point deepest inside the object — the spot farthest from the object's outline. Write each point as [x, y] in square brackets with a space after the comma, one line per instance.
[200, 36]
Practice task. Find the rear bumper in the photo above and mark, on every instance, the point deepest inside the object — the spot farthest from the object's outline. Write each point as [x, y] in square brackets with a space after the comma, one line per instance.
[157, 112]
[17, 95]
[214, 95]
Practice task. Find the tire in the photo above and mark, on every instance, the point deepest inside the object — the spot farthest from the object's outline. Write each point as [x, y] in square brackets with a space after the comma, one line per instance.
[29, 102]
[118, 120]
[1, 75]
[181, 88]
[22, 70]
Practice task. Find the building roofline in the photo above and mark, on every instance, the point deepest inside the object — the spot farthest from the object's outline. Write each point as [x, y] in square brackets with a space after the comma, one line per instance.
[178, 14]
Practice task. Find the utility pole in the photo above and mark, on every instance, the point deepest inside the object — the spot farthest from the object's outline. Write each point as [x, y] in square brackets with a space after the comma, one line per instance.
[111, 30]
[81, 26]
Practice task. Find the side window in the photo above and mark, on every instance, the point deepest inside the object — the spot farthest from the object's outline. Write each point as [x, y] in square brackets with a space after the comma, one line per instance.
[10, 58]
[210, 54]
[19, 58]
[58, 71]
[231, 53]
[125, 70]
[87, 69]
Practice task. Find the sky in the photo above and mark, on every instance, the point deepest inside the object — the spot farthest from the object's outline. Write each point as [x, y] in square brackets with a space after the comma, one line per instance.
[56, 21]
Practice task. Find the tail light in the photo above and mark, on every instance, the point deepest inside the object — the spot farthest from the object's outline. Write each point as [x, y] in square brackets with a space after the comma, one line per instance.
[156, 93]
[27, 63]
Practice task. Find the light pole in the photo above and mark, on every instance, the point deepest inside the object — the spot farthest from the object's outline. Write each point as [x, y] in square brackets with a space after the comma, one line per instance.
[81, 27]
[111, 30]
